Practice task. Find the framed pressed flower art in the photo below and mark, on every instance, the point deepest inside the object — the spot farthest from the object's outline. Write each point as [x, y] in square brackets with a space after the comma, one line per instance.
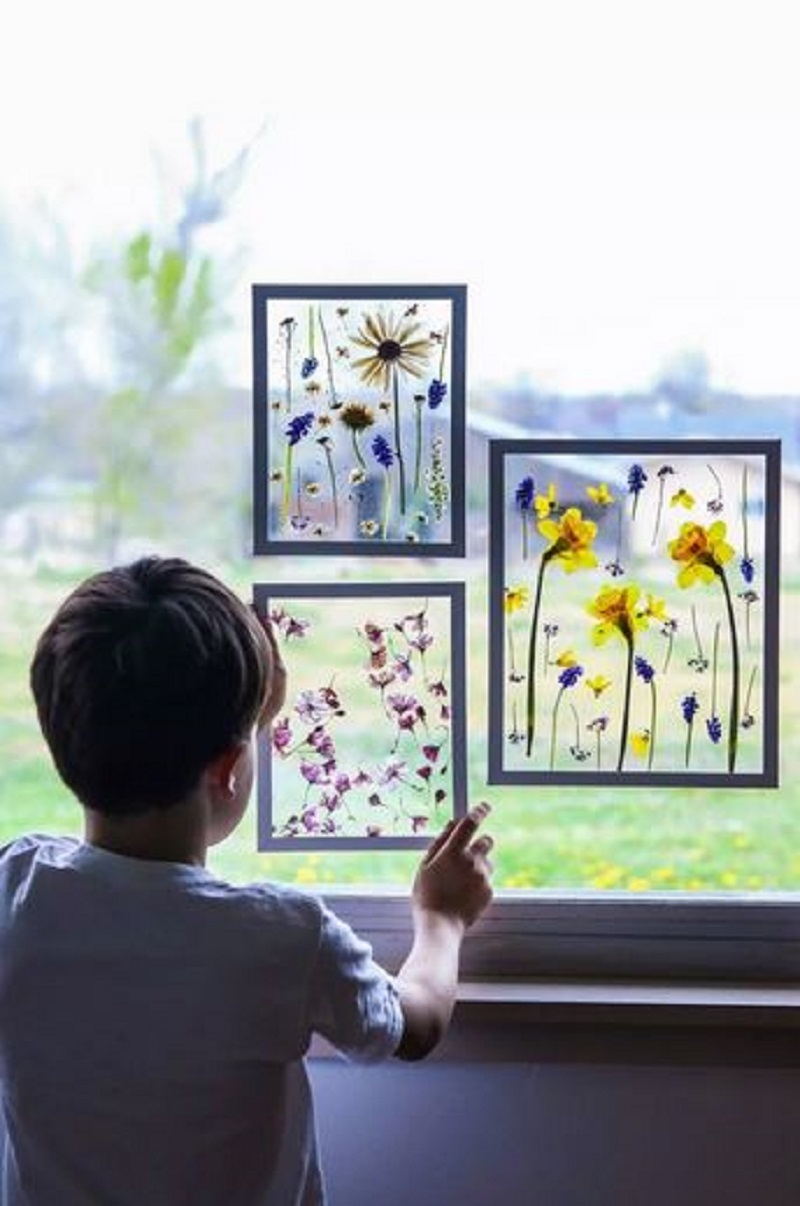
[370, 749]
[634, 612]
[359, 419]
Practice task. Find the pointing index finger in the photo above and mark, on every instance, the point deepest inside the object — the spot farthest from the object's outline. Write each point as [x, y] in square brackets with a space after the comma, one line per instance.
[466, 828]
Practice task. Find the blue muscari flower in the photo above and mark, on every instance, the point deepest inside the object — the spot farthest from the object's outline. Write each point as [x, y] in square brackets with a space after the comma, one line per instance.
[748, 569]
[383, 452]
[524, 494]
[689, 706]
[636, 479]
[436, 393]
[310, 365]
[570, 676]
[643, 668]
[299, 427]
[714, 726]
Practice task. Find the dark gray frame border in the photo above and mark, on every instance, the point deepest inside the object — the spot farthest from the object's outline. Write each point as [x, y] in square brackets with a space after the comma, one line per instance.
[771, 451]
[264, 595]
[262, 544]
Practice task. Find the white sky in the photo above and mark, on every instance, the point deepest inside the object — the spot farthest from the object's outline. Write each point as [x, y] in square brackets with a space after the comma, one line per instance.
[615, 181]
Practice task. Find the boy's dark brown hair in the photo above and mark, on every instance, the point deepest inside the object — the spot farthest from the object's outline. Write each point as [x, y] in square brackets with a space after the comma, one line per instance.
[146, 674]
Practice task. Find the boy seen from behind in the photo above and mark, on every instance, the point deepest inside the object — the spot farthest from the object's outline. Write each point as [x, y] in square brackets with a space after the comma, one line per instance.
[153, 1018]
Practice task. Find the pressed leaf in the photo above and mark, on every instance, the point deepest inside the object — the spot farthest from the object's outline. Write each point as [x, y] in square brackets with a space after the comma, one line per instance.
[137, 257]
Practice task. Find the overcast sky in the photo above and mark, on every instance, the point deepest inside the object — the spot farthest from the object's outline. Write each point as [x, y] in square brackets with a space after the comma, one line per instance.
[615, 182]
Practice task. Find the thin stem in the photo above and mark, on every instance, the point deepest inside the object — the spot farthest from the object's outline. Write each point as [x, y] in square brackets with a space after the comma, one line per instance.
[288, 369]
[745, 540]
[598, 735]
[620, 516]
[714, 662]
[357, 449]
[311, 332]
[733, 719]
[546, 658]
[626, 710]
[328, 361]
[659, 508]
[522, 515]
[698, 642]
[511, 658]
[553, 727]
[332, 476]
[288, 470]
[442, 354]
[401, 468]
[530, 722]
[689, 730]
[418, 446]
[387, 497]
[749, 691]
[577, 726]
[715, 476]
[670, 643]
[653, 713]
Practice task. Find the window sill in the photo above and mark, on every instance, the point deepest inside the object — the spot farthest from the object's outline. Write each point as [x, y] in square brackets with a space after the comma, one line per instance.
[563, 1021]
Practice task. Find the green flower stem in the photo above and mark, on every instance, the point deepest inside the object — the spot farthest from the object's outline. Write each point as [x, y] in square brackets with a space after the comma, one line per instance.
[387, 498]
[328, 361]
[418, 446]
[689, 731]
[311, 332]
[401, 467]
[745, 541]
[659, 509]
[530, 722]
[522, 516]
[332, 476]
[653, 714]
[598, 735]
[554, 726]
[626, 710]
[733, 718]
[748, 693]
[357, 449]
[287, 483]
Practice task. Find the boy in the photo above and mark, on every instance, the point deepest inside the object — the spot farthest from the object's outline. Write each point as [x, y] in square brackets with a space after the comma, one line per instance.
[153, 1019]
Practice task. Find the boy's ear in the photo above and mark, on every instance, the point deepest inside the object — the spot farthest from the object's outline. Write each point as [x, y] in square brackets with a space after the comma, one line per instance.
[222, 771]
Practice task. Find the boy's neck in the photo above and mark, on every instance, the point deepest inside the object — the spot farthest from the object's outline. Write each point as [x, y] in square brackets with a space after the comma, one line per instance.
[173, 835]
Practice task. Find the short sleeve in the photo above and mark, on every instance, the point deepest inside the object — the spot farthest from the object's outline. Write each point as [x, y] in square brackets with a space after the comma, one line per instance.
[354, 1003]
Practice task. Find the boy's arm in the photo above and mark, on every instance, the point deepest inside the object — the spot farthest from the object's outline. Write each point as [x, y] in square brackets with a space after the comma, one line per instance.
[451, 890]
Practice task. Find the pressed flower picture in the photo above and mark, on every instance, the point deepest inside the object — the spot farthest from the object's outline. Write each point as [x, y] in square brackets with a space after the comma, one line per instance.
[634, 612]
[359, 419]
[370, 748]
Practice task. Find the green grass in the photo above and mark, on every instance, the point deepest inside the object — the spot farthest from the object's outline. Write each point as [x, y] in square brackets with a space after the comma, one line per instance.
[564, 838]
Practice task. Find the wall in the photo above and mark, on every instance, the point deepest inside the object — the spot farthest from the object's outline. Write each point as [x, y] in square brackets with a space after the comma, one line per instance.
[555, 1134]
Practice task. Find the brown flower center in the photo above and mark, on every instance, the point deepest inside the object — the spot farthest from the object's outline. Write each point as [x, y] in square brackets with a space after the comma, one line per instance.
[390, 350]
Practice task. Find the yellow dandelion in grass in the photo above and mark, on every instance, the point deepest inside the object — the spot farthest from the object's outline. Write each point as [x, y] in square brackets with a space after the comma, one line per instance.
[516, 598]
[394, 345]
[682, 498]
[566, 659]
[640, 743]
[600, 494]
[546, 504]
[598, 685]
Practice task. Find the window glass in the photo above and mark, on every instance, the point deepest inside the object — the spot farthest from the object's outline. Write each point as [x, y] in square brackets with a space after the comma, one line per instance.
[611, 294]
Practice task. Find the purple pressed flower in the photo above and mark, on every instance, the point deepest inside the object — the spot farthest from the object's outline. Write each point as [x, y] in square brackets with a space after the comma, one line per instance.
[439, 795]
[436, 393]
[299, 427]
[636, 479]
[320, 740]
[748, 569]
[391, 773]
[599, 724]
[424, 772]
[402, 703]
[614, 568]
[438, 689]
[402, 667]
[281, 735]
[569, 677]
[689, 706]
[421, 642]
[310, 365]
[361, 777]
[418, 823]
[643, 668]
[312, 772]
[382, 451]
[431, 752]
[550, 630]
[312, 706]
[330, 800]
[524, 494]
[714, 727]
[342, 782]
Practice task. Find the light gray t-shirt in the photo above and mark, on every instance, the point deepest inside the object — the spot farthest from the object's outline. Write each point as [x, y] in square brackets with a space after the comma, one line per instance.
[153, 1022]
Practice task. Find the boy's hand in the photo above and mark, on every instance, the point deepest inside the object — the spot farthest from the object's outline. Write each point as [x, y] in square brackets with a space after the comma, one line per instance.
[454, 877]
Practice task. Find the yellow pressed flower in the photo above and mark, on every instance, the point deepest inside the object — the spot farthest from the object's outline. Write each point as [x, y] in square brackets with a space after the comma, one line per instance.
[655, 609]
[640, 743]
[702, 551]
[545, 504]
[393, 344]
[598, 684]
[567, 658]
[570, 539]
[600, 494]
[616, 609]
[516, 598]
[682, 498]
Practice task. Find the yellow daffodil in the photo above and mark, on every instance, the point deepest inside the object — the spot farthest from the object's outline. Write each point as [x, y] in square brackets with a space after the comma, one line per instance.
[393, 344]
[655, 609]
[570, 540]
[682, 498]
[567, 658]
[516, 599]
[598, 684]
[600, 494]
[702, 552]
[545, 504]
[640, 743]
[616, 609]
